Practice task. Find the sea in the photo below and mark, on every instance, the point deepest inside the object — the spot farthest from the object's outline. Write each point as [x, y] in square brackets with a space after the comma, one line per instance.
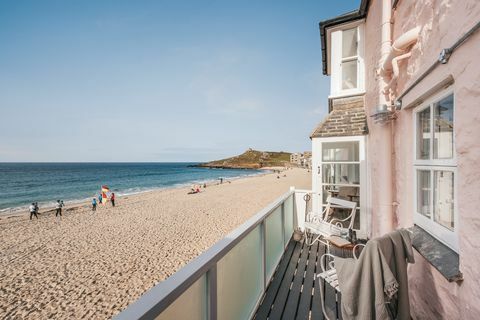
[24, 183]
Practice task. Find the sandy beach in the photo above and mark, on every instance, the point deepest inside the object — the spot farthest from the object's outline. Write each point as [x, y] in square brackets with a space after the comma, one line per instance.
[92, 265]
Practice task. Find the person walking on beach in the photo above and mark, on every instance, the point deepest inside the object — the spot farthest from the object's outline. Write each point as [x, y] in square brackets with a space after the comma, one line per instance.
[36, 209]
[32, 211]
[94, 204]
[112, 199]
[100, 198]
[58, 208]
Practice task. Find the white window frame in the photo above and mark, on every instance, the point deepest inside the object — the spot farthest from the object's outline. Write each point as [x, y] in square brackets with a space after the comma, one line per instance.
[318, 184]
[443, 234]
[336, 47]
[355, 58]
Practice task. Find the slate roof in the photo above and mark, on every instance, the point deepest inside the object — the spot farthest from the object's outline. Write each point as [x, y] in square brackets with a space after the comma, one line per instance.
[347, 118]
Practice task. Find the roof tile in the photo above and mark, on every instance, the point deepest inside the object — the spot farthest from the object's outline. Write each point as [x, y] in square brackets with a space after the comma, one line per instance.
[347, 118]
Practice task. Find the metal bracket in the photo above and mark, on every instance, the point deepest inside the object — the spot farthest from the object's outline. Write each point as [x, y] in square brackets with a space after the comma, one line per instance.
[444, 56]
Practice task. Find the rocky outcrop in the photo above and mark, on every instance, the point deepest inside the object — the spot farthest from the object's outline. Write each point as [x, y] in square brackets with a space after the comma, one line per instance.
[250, 159]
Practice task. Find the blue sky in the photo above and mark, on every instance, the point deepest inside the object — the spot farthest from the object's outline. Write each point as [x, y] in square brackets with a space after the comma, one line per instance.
[159, 80]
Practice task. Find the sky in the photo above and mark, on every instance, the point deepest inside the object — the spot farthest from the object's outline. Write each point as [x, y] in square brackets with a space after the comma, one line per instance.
[133, 81]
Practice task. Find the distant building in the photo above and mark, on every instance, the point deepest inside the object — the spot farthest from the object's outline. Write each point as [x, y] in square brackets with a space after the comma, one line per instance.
[301, 159]
[295, 158]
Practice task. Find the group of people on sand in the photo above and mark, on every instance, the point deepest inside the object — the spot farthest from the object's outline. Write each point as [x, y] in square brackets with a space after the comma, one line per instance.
[100, 198]
[34, 209]
[196, 188]
[278, 175]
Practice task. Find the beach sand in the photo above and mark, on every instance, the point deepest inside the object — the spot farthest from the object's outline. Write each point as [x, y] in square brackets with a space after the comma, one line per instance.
[92, 265]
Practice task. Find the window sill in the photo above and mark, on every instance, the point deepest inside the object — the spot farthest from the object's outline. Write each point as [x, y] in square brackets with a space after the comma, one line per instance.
[444, 259]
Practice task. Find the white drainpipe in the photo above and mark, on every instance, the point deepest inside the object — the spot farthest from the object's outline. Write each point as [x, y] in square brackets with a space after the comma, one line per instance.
[398, 47]
[383, 209]
[397, 52]
[393, 82]
[390, 55]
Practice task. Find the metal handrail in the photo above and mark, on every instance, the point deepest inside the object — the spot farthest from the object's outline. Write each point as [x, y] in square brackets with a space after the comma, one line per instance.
[162, 295]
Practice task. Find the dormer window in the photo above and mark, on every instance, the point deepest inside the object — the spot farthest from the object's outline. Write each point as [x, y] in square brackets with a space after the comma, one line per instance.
[346, 60]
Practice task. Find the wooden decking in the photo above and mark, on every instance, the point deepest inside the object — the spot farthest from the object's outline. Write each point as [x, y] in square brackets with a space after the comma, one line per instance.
[293, 292]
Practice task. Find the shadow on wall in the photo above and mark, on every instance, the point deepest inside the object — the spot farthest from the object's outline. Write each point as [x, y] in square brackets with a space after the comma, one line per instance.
[425, 302]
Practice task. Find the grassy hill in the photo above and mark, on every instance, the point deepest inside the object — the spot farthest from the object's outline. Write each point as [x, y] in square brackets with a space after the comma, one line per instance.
[251, 159]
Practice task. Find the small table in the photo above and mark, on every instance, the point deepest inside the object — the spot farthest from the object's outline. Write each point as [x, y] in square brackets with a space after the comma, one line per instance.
[342, 248]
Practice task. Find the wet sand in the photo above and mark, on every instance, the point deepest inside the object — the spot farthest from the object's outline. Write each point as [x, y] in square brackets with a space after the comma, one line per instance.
[92, 265]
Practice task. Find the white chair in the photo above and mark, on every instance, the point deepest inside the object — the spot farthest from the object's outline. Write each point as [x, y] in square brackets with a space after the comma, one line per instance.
[329, 275]
[323, 225]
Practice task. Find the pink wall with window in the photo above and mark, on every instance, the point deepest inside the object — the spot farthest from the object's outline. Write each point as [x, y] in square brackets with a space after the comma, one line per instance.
[442, 22]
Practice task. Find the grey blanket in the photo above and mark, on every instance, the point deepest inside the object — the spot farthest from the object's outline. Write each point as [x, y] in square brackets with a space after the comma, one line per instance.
[376, 285]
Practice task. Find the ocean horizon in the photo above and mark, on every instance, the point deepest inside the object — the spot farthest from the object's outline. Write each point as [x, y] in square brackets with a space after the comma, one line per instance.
[73, 182]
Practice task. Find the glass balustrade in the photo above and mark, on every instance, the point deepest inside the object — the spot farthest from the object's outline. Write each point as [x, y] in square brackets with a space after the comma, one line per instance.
[230, 278]
[240, 278]
[274, 240]
[288, 223]
[192, 304]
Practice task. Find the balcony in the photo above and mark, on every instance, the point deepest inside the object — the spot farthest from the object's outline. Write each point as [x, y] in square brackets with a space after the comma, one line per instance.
[256, 272]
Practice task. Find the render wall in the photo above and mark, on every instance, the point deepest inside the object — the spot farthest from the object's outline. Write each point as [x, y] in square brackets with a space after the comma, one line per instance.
[442, 22]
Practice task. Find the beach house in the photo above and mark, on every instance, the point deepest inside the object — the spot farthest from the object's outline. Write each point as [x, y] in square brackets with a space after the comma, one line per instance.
[401, 139]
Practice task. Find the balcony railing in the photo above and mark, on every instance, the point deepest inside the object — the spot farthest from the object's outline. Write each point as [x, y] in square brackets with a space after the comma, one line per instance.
[228, 280]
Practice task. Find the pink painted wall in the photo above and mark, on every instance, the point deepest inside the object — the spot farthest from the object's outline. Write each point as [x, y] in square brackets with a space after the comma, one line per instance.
[442, 22]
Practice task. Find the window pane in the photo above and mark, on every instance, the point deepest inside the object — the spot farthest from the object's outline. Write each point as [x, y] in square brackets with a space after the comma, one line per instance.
[349, 74]
[349, 43]
[340, 151]
[443, 198]
[443, 129]
[342, 192]
[336, 173]
[423, 134]
[423, 192]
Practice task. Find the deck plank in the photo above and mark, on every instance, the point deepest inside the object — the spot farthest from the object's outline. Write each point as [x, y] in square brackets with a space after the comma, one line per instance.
[316, 309]
[330, 302]
[295, 291]
[283, 292]
[329, 298]
[306, 297]
[271, 293]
